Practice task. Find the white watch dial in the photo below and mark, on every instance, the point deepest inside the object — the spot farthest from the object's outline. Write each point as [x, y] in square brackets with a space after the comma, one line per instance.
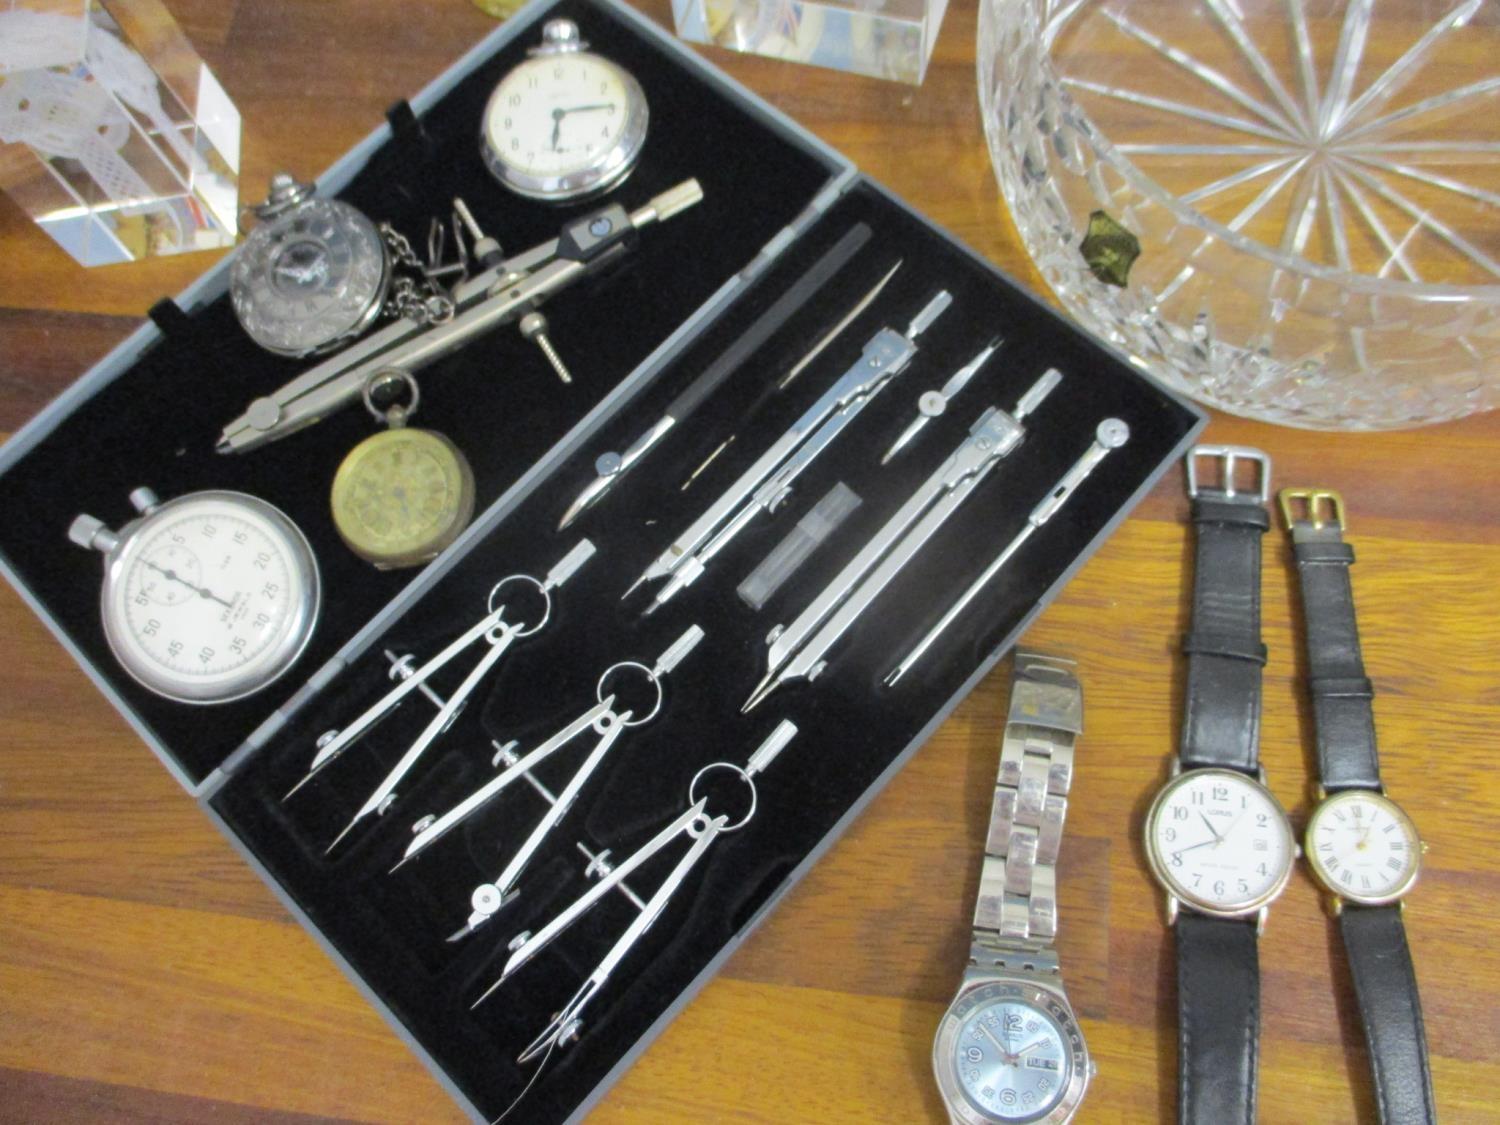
[210, 597]
[564, 124]
[1362, 847]
[558, 113]
[1219, 841]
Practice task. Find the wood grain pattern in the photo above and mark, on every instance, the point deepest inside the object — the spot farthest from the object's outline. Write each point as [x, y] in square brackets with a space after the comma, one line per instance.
[147, 975]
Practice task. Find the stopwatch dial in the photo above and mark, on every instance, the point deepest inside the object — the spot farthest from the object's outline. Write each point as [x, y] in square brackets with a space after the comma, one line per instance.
[175, 573]
[211, 599]
[564, 125]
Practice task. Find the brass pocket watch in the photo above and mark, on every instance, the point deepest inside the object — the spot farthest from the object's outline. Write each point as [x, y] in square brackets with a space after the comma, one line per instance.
[404, 494]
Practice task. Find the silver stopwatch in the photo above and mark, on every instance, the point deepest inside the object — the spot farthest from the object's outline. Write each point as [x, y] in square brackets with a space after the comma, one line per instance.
[207, 598]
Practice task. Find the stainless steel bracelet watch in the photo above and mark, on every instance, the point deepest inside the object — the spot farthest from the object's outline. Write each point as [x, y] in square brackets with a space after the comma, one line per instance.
[1009, 1048]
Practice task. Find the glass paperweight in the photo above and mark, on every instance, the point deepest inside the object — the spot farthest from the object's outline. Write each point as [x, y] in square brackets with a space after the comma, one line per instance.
[883, 38]
[114, 136]
[1288, 209]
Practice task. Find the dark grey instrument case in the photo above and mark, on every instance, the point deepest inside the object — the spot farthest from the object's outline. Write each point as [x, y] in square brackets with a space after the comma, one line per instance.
[774, 200]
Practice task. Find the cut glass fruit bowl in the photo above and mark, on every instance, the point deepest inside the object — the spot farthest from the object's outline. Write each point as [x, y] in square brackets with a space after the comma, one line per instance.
[1287, 209]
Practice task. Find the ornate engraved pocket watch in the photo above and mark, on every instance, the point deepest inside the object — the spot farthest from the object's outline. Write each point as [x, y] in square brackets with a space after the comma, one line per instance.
[403, 494]
[316, 273]
[207, 598]
[313, 274]
[564, 124]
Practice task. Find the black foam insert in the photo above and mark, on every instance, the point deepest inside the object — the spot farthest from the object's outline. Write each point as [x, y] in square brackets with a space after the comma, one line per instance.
[157, 424]
[498, 400]
[392, 927]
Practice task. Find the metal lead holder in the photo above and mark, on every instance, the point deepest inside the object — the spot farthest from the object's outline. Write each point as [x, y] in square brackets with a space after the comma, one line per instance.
[506, 293]
[799, 650]
[1111, 434]
[496, 632]
[700, 828]
[605, 721]
[768, 482]
[611, 467]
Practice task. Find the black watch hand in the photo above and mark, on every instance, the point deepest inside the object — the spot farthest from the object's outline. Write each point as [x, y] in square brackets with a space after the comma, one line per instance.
[201, 591]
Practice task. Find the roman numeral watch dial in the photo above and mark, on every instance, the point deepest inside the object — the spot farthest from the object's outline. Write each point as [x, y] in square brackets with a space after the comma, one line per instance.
[564, 124]
[1363, 847]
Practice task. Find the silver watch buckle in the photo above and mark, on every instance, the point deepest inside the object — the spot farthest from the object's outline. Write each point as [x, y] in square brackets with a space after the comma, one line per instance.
[1230, 457]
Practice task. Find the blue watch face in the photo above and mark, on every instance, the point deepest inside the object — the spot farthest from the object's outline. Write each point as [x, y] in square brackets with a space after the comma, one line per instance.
[1012, 1060]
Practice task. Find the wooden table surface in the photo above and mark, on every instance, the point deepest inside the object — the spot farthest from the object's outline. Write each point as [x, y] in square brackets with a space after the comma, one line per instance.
[146, 974]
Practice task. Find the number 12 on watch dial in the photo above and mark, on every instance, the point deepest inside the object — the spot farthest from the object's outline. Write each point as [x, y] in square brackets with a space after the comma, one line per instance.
[1010, 1054]
[1363, 848]
[564, 124]
[1220, 842]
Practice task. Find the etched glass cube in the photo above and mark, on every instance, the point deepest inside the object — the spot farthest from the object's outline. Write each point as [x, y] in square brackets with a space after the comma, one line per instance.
[883, 38]
[114, 136]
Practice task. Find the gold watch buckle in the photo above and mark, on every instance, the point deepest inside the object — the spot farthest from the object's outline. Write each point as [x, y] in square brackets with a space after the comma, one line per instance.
[1314, 503]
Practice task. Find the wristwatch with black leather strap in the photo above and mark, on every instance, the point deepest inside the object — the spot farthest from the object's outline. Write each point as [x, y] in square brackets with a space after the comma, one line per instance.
[1362, 848]
[1217, 839]
[1009, 1049]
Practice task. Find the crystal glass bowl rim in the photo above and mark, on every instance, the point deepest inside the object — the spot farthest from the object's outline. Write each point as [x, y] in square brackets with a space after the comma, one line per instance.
[1361, 283]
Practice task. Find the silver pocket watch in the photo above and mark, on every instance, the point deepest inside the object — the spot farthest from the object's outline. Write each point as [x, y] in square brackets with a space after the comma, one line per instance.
[564, 124]
[207, 598]
[316, 273]
[313, 274]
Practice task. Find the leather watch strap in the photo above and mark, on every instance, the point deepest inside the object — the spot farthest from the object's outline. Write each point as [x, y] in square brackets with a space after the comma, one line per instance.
[1385, 981]
[1218, 968]
[1389, 1008]
[1343, 717]
[1218, 1019]
[1225, 656]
